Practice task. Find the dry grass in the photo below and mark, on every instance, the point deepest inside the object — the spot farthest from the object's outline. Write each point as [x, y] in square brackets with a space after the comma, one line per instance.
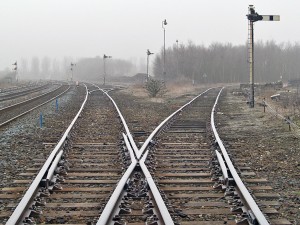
[173, 90]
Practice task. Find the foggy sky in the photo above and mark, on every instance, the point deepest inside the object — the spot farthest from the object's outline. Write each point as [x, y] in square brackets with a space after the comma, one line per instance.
[127, 28]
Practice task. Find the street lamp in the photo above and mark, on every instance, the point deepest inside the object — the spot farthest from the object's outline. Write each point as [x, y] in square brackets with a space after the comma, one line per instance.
[72, 65]
[105, 57]
[164, 22]
[148, 54]
[254, 17]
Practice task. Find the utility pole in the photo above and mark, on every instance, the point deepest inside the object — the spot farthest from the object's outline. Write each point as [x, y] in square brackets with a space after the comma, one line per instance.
[254, 17]
[177, 55]
[164, 23]
[104, 58]
[148, 54]
[72, 65]
[16, 70]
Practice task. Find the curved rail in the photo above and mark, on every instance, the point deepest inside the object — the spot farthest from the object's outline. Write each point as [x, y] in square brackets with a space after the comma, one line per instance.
[239, 183]
[106, 214]
[111, 204]
[135, 148]
[156, 194]
[8, 121]
[24, 204]
[131, 146]
[158, 128]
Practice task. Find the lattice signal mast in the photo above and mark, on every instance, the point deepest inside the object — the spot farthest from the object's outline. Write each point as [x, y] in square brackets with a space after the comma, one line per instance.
[254, 17]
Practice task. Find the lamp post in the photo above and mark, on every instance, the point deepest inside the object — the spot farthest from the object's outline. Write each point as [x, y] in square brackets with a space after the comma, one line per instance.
[105, 57]
[72, 65]
[164, 22]
[148, 54]
[177, 69]
[254, 17]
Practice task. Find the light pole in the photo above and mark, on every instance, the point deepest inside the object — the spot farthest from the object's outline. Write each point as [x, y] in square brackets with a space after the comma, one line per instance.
[177, 69]
[105, 57]
[72, 65]
[254, 17]
[164, 22]
[148, 54]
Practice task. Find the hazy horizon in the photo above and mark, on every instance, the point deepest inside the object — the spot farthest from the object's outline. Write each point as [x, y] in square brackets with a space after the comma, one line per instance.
[126, 29]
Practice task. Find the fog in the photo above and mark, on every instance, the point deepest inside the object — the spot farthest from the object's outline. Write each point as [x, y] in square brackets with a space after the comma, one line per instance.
[55, 33]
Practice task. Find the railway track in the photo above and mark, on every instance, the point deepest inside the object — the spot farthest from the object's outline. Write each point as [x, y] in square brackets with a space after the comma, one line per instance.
[181, 163]
[181, 174]
[12, 112]
[13, 94]
[23, 140]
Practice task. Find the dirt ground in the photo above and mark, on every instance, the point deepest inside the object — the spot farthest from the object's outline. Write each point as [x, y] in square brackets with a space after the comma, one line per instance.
[265, 137]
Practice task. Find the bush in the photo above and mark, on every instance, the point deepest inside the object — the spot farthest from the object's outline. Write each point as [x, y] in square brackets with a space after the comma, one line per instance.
[155, 87]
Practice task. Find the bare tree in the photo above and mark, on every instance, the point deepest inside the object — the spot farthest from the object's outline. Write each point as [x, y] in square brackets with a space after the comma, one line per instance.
[35, 68]
[46, 63]
[228, 63]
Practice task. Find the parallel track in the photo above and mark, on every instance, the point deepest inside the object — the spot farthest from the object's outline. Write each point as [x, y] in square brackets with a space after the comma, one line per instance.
[15, 111]
[175, 177]
[9, 95]
[94, 157]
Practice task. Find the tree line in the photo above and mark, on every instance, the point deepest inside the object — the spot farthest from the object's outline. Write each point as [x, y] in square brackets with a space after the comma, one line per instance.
[226, 63]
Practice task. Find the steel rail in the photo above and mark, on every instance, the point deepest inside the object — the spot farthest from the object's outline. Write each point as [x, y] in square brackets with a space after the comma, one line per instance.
[132, 148]
[8, 121]
[5, 90]
[155, 192]
[53, 167]
[239, 183]
[132, 156]
[135, 148]
[33, 189]
[223, 166]
[111, 204]
[24, 92]
[158, 128]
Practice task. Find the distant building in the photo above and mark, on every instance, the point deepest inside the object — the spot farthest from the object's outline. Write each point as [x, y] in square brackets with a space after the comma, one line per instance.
[140, 78]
